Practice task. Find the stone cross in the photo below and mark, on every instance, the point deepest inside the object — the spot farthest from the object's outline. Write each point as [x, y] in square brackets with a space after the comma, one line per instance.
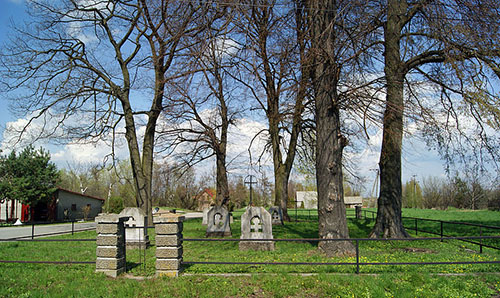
[255, 225]
[218, 220]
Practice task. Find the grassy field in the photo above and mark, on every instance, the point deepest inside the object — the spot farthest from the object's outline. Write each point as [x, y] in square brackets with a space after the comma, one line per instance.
[483, 280]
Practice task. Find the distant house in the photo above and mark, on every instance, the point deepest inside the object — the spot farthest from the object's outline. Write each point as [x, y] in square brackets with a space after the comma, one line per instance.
[306, 199]
[353, 201]
[64, 205]
[205, 199]
[309, 200]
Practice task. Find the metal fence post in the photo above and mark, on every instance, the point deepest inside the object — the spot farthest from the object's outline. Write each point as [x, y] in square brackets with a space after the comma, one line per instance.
[481, 240]
[416, 226]
[357, 256]
[32, 230]
[441, 230]
[73, 227]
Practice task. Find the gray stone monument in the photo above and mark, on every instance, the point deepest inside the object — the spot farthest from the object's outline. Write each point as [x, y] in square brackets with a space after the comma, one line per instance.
[205, 216]
[136, 233]
[276, 215]
[218, 222]
[256, 224]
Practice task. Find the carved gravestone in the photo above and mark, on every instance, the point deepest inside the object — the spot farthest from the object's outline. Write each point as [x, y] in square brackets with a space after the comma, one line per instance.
[218, 222]
[276, 215]
[256, 224]
[136, 234]
[205, 216]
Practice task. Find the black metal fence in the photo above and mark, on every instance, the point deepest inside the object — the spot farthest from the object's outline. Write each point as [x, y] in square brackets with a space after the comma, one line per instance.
[477, 240]
[415, 224]
[34, 234]
[31, 238]
[355, 241]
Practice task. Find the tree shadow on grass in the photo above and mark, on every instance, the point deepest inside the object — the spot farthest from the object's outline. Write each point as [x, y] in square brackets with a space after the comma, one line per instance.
[291, 228]
[363, 228]
[132, 265]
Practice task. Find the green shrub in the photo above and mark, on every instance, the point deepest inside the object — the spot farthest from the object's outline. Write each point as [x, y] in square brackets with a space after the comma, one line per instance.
[114, 205]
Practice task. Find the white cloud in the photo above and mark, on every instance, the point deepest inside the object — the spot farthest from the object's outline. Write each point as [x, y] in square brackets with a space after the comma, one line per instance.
[417, 159]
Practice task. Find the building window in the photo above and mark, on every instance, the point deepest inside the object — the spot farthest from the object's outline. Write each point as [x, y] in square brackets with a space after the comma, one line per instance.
[73, 207]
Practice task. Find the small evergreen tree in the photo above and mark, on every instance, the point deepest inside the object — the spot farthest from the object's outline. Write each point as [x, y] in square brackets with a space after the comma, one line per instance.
[29, 177]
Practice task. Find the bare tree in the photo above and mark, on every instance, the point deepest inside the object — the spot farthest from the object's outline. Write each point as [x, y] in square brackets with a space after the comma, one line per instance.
[205, 103]
[93, 66]
[435, 42]
[274, 70]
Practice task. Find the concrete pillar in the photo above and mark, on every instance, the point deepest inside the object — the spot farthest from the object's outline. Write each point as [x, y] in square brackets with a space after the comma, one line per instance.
[168, 230]
[110, 252]
[358, 212]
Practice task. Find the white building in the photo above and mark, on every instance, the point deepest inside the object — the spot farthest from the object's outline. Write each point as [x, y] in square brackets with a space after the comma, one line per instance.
[309, 200]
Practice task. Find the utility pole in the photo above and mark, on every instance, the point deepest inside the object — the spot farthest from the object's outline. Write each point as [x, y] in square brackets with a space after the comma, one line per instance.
[249, 180]
[415, 190]
[375, 183]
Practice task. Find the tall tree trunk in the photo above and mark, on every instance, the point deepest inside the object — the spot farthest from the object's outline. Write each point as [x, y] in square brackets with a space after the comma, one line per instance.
[330, 142]
[389, 223]
[281, 178]
[222, 186]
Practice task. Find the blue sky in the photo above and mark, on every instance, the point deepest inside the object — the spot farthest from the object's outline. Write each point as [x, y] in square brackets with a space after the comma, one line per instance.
[9, 9]
[417, 159]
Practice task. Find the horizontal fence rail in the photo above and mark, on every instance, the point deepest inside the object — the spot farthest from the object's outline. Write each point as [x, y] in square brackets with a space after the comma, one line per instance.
[355, 240]
[31, 238]
[441, 233]
[48, 262]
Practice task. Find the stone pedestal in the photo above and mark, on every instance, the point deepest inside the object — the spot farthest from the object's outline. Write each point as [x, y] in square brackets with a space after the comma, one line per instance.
[110, 252]
[168, 230]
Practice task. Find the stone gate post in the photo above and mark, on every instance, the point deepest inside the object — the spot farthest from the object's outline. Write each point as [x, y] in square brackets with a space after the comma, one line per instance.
[110, 251]
[168, 230]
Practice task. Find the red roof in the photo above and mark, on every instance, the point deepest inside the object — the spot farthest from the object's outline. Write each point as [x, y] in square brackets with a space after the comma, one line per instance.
[210, 192]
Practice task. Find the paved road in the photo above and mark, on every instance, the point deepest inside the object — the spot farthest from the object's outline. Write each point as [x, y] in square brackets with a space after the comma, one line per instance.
[23, 231]
[193, 215]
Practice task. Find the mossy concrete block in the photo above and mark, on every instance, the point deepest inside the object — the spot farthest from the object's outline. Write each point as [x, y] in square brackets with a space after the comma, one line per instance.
[168, 273]
[168, 228]
[168, 240]
[168, 264]
[169, 252]
[104, 218]
[109, 228]
[110, 240]
[110, 252]
[110, 263]
[112, 273]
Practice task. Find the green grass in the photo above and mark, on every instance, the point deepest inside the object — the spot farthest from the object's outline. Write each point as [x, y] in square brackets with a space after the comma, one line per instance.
[37, 280]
